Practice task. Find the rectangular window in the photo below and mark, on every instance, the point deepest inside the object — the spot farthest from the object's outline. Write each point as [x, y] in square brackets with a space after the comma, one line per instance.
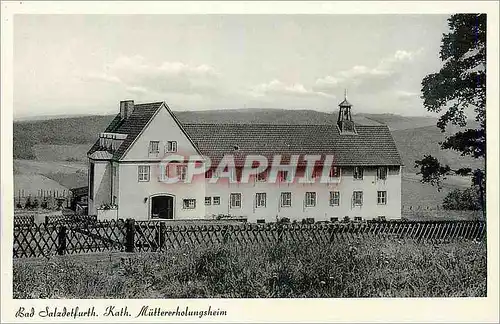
[235, 200]
[181, 172]
[382, 173]
[260, 199]
[171, 147]
[282, 175]
[143, 173]
[208, 201]
[154, 147]
[381, 197]
[310, 199]
[334, 198]
[357, 197]
[286, 199]
[311, 174]
[189, 203]
[216, 200]
[358, 173]
[334, 172]
[262, 177]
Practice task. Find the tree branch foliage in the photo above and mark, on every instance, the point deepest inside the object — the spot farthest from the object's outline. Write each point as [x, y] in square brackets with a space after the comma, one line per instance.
[457, 89]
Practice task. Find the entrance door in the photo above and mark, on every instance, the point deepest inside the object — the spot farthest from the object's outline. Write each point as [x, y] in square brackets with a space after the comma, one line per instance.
[162, 207]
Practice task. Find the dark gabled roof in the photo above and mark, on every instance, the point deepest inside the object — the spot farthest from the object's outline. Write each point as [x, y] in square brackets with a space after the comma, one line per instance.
[372, 145]
[132, 126]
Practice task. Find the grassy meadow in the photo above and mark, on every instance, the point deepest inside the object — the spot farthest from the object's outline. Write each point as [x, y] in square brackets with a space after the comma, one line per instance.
[367, 268]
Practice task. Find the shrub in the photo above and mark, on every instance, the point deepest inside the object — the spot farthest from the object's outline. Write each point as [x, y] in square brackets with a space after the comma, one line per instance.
[44, 204]
[27, 203]
[35, 204]
[284, 220]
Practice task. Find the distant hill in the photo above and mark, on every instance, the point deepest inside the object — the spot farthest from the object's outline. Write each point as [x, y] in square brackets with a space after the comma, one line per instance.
[414, 143]
[414, 136]
[398, 122]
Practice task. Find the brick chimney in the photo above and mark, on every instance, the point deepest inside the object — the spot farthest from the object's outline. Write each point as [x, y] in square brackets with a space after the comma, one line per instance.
[126, 108]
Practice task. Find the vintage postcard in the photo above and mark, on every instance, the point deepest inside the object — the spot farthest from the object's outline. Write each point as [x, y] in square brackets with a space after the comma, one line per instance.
[249, 161]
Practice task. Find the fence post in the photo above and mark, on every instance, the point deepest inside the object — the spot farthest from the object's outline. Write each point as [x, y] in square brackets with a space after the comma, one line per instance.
[61, 239]
[130, 240]
[162, 235]
[224, 234]
[46, 220]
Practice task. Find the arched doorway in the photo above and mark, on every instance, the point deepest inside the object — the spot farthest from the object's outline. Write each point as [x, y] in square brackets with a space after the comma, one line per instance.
[162, 206]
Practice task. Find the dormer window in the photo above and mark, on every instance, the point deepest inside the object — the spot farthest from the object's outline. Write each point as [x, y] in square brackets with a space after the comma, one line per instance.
[154, 147]
[171, 147]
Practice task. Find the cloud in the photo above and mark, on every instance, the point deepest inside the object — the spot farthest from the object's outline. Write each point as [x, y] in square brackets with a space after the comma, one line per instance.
[278, 88]
[385, 74]
[406, 96]
[136, 75]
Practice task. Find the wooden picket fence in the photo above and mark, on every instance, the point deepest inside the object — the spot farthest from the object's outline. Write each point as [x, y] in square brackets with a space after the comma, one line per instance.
[89, 235]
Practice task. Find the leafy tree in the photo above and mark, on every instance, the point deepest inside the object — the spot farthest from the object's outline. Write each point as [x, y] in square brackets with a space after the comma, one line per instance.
[466, 199]
[459, 88]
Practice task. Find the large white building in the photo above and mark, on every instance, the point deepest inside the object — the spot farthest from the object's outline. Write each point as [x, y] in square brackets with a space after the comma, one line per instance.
[127, 171]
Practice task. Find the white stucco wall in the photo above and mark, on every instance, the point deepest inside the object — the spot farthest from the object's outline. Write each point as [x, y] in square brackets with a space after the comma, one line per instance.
[162, 128]
[102, 186]
[133, 196]
[322, 211]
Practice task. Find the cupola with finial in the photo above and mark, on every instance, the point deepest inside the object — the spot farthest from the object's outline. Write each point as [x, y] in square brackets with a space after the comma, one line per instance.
[344, 122]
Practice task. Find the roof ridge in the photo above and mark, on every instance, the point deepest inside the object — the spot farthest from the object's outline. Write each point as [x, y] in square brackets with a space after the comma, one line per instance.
[148, 103]
[268, 124]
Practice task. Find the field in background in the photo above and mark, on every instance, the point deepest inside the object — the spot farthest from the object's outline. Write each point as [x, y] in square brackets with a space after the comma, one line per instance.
[68, 153]
[367, 268]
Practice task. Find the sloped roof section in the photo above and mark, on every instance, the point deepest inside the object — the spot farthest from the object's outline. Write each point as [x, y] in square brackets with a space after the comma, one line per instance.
[132, 127]
[101, 155]
[372, 145]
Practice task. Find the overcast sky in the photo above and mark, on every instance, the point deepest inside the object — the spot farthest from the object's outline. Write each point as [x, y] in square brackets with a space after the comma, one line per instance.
[79, 64]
